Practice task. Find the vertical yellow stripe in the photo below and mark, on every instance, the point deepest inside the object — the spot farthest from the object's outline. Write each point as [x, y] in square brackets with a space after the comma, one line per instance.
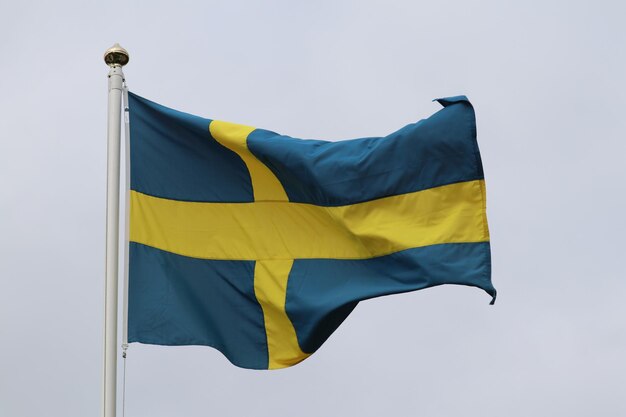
[270, 276]
[270, 288]
[265, 185]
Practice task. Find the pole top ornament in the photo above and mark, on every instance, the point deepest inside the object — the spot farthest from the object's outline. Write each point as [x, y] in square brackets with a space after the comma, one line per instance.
[116, 56]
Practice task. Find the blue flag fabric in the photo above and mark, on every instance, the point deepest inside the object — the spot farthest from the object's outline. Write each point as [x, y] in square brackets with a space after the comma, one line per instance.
[260, 245]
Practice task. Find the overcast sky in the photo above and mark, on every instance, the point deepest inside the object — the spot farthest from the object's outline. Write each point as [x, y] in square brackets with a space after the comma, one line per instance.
[547, 79]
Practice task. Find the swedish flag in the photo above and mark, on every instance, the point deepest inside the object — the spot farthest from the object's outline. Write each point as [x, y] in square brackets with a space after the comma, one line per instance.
[260, 245]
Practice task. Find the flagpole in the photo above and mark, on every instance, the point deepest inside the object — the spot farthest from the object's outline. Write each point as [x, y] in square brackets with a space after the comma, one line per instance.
[115, 57]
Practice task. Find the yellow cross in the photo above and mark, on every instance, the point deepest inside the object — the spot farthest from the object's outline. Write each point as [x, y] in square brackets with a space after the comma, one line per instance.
[273, 231]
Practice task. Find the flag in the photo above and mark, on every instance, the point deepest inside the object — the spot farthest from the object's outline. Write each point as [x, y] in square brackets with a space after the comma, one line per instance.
[260, 245]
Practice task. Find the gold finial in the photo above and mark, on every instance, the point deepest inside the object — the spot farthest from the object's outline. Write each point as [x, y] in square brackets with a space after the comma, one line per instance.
[116, 56]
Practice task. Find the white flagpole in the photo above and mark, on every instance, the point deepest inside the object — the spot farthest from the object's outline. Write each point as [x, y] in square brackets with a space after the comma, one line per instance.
[115, 57]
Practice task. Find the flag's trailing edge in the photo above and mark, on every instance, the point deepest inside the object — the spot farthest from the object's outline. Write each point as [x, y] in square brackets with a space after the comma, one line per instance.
[260, 245]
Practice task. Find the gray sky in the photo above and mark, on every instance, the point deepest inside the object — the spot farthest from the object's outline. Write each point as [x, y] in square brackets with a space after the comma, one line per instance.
[547, 79]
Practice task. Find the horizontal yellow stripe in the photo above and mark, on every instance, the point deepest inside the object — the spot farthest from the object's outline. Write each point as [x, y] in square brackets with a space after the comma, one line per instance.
[266, 230]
